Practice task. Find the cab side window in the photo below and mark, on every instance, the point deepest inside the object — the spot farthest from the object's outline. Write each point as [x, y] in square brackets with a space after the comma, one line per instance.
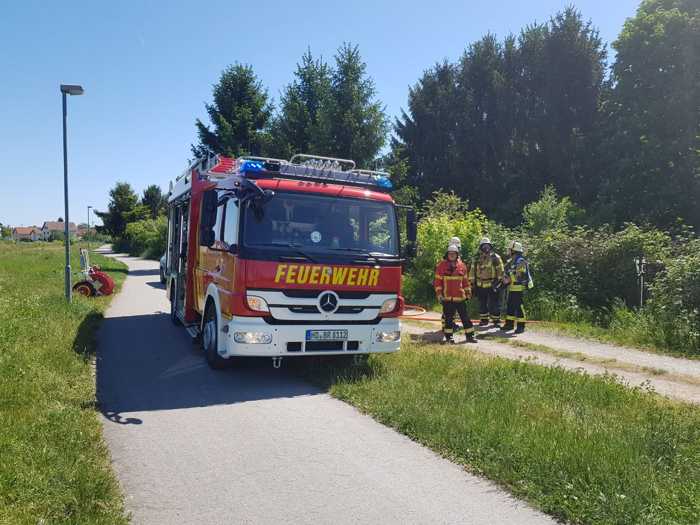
[230, 234]
[218, 224]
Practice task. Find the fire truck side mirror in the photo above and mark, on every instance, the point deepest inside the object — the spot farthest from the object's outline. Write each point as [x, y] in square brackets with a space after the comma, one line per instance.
[208, 219]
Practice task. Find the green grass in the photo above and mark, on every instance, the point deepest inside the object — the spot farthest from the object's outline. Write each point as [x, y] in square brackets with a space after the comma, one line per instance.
[54, 466]
[584, 449]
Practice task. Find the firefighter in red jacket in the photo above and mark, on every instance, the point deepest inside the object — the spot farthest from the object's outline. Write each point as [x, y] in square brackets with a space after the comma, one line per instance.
[452, 288]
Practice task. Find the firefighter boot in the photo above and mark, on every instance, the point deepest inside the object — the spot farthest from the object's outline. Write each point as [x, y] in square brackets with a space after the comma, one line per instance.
[507, 326]
[521, 328]
[484, 322]
[470, 339]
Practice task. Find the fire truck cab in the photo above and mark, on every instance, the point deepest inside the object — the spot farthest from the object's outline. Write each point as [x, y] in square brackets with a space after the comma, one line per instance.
[275, 258]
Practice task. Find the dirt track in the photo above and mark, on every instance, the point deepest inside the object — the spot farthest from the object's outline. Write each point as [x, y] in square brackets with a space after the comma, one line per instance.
[670, 376]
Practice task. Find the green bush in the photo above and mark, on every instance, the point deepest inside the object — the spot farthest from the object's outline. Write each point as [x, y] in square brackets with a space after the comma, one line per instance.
[550, 212]
[674, 305]
[583, 275]
[145, 238]
[595, 265]
[434, 233]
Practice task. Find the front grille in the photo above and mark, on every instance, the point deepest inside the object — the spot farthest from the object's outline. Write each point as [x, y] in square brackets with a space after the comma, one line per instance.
[349, 309]
[272, 321]
[303, 309]
[310, 294]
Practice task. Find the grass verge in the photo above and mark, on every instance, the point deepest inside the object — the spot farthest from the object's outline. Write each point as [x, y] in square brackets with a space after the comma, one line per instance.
[55, 466]
[582, 448]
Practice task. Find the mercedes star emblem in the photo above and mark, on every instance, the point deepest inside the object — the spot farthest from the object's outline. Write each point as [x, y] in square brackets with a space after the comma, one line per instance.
[328, 302]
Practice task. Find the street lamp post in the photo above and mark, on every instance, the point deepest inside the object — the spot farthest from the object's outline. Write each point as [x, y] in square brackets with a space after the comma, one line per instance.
[67, 89]
[88, 228]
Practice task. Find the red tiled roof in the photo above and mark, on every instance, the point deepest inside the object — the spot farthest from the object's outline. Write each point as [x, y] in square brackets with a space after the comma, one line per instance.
[56, 226]
[25, 230]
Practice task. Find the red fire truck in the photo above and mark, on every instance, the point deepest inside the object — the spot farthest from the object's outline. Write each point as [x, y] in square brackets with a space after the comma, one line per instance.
[275, 258]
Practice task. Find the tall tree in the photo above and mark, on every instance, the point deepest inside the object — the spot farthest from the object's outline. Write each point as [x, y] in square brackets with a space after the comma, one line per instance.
[240, 113]
[509, 118]
[296, 127]
[427, 132]
[351, 121]
[652, 111]
[154, 200]
[123, 202]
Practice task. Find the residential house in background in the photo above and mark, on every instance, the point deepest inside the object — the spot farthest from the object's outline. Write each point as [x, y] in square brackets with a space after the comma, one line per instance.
[52, 229]
[83, 230]
[26, 233]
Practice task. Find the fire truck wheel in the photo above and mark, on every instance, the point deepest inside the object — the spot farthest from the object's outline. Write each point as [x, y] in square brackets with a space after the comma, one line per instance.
[84, 288]
[173, 310]
[210, 339]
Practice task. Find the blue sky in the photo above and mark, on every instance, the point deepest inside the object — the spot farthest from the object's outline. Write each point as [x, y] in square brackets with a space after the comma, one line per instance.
[148, 68]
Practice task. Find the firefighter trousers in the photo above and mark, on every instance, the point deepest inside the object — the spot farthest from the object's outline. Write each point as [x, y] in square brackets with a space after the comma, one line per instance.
[488, 304]
[449, 308]
[515, 310]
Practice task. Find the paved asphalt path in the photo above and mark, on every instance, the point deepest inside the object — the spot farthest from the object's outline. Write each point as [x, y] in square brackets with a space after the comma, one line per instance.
[258, 445]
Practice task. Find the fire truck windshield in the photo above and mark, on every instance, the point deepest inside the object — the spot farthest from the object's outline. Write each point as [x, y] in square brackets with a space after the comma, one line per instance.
[317, 223]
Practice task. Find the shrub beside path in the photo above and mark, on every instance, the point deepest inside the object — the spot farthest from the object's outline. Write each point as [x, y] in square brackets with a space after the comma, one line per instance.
[673, 377]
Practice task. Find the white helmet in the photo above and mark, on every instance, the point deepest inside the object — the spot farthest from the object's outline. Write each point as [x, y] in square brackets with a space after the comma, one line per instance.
[484, 240]
[453, 248]
[515, 246]
[455, 240]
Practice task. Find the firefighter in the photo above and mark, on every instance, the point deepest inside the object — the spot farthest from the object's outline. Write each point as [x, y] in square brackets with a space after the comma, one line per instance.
[452, 288]
[517, 278]
[487, 272]
[457, 242]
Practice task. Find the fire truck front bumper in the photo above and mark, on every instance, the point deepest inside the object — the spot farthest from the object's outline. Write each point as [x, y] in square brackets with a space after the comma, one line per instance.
[253, 337]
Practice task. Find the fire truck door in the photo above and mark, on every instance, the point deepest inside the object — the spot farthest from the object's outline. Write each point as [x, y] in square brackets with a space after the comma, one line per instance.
[225, 278]
[209, 262]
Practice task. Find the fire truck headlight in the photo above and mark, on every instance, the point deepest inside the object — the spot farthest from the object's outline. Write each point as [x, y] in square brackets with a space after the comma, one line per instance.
[252, 338]
[257, 303]
[388, 337]
[388, 306]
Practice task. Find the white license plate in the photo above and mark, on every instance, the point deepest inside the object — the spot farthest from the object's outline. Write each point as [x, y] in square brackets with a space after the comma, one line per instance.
[326, 335]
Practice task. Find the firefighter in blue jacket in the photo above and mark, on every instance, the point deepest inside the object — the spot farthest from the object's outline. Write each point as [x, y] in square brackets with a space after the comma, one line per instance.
[517, 278]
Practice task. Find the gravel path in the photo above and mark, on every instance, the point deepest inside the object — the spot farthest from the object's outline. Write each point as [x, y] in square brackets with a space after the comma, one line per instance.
[670, 376]
[255, 445]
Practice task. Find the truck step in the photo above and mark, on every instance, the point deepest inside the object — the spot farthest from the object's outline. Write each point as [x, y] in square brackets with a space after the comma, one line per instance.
[192, 330]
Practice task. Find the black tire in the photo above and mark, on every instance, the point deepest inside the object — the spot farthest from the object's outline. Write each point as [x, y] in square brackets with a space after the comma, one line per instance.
[84, 288]
[173, 302]
[210, 339]
[162, 276]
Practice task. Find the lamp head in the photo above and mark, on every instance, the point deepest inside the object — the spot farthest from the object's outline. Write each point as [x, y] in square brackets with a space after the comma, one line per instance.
[72, 89]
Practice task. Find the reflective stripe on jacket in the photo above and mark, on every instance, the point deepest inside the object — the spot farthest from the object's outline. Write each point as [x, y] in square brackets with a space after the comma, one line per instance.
[518, 272]
[452, 280]
[487, 268]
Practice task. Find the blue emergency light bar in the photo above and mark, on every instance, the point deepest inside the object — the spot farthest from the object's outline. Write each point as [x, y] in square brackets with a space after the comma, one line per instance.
[318, 169]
